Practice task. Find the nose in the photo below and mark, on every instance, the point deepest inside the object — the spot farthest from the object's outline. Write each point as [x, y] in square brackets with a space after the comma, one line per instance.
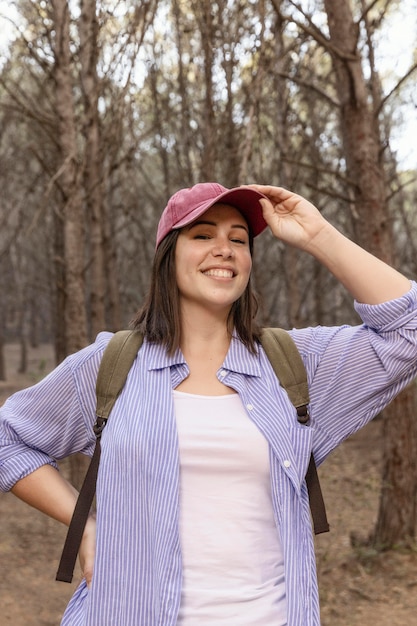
[223, 247]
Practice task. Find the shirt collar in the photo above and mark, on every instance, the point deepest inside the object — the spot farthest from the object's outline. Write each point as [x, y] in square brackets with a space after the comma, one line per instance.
[238, 358]
[157, 356]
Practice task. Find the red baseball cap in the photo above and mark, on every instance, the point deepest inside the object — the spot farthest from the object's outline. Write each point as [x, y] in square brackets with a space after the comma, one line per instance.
[186, 205]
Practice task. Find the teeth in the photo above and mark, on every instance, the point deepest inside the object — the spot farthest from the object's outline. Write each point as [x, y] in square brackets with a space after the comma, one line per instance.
[219, 273]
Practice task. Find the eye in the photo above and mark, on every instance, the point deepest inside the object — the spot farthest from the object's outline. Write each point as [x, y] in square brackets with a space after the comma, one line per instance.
[240, 239]
[201, 236]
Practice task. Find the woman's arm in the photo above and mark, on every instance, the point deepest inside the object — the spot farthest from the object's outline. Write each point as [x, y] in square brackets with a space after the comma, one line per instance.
[46, 490]
[297, 222]
[47, 422]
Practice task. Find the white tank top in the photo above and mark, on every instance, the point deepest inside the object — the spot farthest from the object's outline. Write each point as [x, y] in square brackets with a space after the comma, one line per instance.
[233, 571]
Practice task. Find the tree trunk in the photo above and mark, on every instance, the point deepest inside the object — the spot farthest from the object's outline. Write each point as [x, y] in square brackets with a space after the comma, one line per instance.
[74, 231]
[75, 315]
[92, 171]
[291, 256]
[159, 128]
[186, 139]
[58, 298]
[360, 133]
[2, 362]
[209, 128]
[397, 514]
[113, 306]
[363, 150]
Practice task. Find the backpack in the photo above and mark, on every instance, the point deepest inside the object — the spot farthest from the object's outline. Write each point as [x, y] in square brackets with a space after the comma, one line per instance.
[114, 367]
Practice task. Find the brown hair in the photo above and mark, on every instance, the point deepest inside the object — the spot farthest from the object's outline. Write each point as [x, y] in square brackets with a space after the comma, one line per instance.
[159, 317]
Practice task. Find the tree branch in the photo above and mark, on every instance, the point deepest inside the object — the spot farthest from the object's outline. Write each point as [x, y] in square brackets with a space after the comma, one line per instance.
[313, 31]
[402, 80]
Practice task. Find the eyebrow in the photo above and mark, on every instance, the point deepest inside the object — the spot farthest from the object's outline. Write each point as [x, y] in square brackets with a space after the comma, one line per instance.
[209, 223]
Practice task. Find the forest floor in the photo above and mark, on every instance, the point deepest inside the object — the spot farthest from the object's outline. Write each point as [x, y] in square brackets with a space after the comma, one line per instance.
[358, 586]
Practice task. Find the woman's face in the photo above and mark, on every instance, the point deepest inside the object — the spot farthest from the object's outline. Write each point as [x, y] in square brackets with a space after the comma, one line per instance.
[213, 259]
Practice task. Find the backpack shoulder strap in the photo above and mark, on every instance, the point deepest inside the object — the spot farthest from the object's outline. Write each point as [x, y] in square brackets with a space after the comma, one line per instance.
[291, 373]
[117, 360]
[115, 364]
[288, 367]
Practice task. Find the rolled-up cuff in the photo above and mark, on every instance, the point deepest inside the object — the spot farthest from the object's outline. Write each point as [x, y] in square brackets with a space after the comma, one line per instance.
[21, 465]
[393, 314]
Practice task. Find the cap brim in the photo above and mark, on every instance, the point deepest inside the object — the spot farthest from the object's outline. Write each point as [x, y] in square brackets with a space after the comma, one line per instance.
[245, 199]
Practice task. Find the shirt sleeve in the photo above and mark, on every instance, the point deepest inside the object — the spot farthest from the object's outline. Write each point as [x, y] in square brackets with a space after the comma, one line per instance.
[355, 371]
[52, 419]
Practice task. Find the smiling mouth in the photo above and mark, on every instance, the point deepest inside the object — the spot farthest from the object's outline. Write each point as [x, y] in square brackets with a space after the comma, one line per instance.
[218, 273]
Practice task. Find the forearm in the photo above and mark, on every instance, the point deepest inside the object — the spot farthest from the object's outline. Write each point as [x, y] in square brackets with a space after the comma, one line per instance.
[297, 222]
[367, 278]
[46, 490]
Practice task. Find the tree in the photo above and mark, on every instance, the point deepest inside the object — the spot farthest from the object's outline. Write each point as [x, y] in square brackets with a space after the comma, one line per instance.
[359, 118]
[69, 179]
[93, 160]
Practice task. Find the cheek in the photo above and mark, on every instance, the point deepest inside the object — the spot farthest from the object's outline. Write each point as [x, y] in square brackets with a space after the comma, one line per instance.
[247, 264]
[180, 261]
[184, 265]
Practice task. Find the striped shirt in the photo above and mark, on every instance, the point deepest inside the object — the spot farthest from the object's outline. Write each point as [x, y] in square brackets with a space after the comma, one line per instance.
[353, 372]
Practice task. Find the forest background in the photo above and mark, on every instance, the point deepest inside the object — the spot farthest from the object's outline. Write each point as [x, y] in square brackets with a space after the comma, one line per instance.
[108, 107]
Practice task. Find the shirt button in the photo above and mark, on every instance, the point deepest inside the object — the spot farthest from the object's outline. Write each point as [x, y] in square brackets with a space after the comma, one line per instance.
[249, 407]
[287, 463]
[222, 373]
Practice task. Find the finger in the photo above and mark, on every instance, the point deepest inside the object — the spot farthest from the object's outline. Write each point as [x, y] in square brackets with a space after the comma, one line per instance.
[88, 575]
[272, 191]
[268, 209]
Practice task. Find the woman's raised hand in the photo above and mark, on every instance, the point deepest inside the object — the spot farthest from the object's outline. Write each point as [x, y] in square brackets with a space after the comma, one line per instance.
[291, 218]
[299, 223]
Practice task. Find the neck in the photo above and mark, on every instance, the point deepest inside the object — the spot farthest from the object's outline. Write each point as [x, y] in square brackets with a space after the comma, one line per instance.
[205, 341]
[204, 332]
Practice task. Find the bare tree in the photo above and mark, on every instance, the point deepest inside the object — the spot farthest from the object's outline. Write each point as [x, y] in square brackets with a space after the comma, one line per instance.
[70, 183]
[363, 148]
[93, 160]
[204, 12]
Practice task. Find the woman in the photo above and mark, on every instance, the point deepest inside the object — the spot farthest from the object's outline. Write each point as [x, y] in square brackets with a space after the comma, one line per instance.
[202, 509]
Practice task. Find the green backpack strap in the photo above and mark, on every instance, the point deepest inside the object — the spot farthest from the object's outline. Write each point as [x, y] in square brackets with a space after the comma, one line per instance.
[115, 364]
[289, 368]
[117, 360]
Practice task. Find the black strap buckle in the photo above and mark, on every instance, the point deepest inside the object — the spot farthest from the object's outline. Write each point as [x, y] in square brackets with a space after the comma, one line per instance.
[303, 414]
[99, 426]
